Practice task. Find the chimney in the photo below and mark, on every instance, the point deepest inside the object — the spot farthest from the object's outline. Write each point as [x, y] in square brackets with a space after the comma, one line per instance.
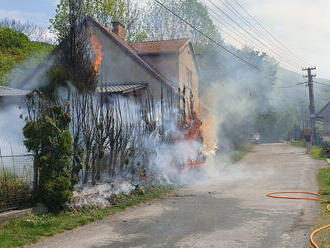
[119, 29]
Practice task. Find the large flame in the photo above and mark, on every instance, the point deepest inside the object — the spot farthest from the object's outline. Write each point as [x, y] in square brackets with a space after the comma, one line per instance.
[209, 127]
[192, 133]
[97, 49]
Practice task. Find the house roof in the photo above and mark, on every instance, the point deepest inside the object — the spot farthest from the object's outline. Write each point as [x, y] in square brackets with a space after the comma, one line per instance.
[159, 47]
[5, 91]
[130, 51]
[122, 88]
[134, 50]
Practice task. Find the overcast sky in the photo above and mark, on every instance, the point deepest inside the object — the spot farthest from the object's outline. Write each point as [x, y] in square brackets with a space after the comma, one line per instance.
[302, 25]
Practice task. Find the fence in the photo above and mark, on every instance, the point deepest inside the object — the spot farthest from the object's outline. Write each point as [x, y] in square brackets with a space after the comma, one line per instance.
[16, 181]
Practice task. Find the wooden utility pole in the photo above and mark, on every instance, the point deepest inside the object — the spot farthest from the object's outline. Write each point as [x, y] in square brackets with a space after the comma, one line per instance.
[310, 77]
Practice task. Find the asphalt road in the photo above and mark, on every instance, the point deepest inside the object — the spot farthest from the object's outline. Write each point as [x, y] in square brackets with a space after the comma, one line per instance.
[228, 211]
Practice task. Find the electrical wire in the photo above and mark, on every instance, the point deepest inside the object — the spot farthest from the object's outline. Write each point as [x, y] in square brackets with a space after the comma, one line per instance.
[207, 36]
[250, 34]
[213, 40]
[268, 32]
[269, 43]
[328, 85]
[241, 35]
[287, 87]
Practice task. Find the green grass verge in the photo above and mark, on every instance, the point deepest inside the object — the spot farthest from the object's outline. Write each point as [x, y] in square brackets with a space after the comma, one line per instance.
[323, 238]
[324, 180]
[240, 153]
[299, 143]
[317, 152]
[30, 229]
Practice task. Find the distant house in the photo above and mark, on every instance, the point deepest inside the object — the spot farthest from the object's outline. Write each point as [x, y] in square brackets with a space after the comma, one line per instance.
[160, 68]
[11, 96]
[324, 116]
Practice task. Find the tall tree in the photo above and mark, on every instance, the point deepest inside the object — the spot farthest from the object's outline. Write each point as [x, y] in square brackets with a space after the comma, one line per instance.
[104, 11]
[162, 24]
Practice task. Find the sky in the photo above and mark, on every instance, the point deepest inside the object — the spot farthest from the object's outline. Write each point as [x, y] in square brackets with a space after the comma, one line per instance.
[302, 25]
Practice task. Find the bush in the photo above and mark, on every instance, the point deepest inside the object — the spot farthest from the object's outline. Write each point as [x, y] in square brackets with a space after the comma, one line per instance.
[55, 192]
[50, 140]
[317, 152]
[10, 38]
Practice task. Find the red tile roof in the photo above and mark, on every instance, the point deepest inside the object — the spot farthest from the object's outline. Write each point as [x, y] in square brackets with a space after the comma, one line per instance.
[158, 47]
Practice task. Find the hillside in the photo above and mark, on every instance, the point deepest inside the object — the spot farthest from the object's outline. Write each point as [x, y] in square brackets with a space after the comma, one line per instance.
[16, 48]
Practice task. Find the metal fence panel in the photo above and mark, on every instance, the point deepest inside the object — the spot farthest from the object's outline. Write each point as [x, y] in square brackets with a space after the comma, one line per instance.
[16, 181]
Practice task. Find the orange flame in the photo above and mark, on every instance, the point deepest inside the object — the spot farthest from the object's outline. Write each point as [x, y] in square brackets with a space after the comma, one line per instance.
[209, 128]
[192, 131]
[97, 49]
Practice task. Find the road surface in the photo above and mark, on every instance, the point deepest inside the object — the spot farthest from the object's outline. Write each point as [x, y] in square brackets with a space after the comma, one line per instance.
[229, 211]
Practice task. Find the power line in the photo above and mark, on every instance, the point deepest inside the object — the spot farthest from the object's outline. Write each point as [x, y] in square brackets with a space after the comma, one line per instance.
[268, 32]
[255, 30]
[208, 37]
[246, 31]
[322, 84]
[239, 34]
[213, 40]
[290, 86]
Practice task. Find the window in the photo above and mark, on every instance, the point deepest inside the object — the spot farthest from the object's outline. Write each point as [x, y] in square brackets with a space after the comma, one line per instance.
[189, 78]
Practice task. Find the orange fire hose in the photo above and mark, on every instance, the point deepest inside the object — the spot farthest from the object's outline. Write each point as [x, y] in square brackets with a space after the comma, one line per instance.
[311, 238]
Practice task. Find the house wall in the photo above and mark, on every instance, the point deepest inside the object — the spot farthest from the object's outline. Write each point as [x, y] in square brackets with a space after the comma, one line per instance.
[326, 121]
[118, 66]
[186, 61]
[166, 64]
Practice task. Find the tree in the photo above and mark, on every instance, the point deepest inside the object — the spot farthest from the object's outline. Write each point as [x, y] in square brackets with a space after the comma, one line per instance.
[103, 11]
[47, 135]
[34, 32]
[162, 24]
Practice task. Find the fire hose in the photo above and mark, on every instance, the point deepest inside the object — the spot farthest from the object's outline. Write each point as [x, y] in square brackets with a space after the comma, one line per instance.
[311, 238]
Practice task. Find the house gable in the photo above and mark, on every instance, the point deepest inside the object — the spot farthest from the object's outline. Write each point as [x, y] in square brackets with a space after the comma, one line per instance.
[111, 44]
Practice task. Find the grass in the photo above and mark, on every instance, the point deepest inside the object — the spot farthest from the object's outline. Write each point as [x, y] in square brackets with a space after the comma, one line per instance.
[324, 180]
[317, 152]
[12, 190]
[299, 143]
[240, 153]
[323, 238]
[31, 229]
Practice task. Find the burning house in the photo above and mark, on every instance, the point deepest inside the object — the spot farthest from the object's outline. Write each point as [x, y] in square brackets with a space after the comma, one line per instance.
[164, 69]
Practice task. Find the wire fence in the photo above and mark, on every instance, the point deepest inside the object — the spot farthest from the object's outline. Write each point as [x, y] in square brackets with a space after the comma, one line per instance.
[16, 181]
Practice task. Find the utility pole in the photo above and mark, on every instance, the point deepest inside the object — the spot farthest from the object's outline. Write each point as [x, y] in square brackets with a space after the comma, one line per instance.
[310, 85]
